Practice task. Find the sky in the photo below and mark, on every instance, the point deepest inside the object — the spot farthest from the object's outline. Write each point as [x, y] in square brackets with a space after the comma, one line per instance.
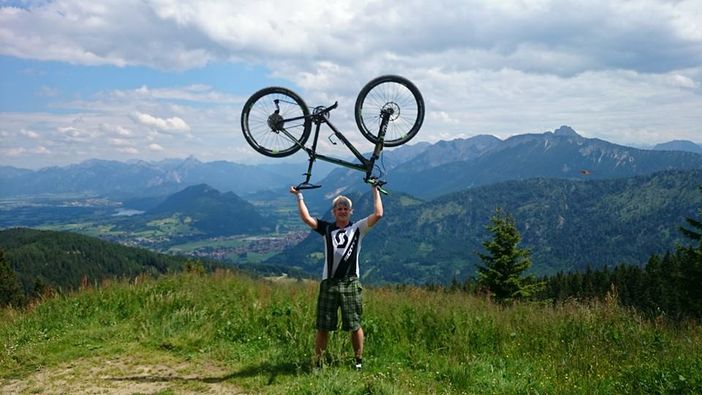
[155, 79]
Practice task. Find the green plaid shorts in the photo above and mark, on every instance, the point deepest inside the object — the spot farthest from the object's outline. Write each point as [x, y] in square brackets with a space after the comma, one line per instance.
[339, 293]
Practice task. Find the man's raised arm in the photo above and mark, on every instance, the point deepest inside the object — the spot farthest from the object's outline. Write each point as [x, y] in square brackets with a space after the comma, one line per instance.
[302, 208]
[377, 207]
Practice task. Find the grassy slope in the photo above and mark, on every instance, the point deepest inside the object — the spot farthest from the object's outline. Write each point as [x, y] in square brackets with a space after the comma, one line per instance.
[258, 337]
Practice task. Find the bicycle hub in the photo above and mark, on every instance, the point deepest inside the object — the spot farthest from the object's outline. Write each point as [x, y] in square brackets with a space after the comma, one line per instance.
[275, 121]
[391, 108]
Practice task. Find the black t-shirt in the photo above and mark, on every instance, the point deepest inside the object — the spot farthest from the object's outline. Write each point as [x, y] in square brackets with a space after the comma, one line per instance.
[341, 247]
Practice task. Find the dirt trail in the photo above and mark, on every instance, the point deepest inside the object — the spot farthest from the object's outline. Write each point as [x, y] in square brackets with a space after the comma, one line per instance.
[124, 375]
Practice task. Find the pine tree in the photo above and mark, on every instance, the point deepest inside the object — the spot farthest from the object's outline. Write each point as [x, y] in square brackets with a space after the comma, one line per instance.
[696, 233]
[10, 292]
[505, 262]
[691, 268]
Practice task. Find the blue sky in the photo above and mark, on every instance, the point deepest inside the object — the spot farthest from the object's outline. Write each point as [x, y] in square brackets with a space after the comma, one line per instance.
[155, 79]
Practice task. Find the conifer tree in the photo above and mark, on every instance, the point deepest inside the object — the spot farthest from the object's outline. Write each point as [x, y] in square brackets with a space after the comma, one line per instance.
[696, 233]
[691, 268]
[505, 262]
[10, 292]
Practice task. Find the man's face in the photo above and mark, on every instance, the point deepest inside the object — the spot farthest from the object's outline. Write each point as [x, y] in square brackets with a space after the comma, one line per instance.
[342, 212]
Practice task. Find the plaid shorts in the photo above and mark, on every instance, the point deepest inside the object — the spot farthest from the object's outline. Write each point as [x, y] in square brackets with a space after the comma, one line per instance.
[344, 293]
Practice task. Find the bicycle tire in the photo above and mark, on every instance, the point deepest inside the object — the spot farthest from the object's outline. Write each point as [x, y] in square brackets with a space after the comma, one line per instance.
[262, 122]
[400, 94]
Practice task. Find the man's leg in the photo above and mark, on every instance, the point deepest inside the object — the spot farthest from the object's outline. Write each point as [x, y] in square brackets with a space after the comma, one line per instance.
[320, 345]
[357, 341]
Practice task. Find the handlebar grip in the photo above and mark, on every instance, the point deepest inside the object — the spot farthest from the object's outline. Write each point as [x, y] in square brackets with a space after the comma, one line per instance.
[378, 183]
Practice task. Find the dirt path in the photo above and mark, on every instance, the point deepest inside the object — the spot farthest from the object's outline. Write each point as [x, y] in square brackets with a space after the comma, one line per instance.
[125, 375]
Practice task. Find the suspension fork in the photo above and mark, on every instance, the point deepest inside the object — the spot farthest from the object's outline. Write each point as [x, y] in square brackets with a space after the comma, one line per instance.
[385, 115]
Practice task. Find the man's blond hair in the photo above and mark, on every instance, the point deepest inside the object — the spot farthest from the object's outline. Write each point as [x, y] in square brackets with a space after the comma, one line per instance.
[341, 199]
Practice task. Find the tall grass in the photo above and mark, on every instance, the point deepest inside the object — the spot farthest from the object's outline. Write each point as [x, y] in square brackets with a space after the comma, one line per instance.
[417, 341]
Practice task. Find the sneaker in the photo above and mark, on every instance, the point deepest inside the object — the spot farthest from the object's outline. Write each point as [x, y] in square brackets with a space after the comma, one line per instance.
[359, 364]
[317, 368]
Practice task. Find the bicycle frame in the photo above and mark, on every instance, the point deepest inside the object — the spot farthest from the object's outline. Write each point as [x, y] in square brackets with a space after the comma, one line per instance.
[365, 165]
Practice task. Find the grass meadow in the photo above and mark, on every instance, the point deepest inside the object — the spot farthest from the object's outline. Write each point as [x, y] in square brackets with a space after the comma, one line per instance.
[257, 336]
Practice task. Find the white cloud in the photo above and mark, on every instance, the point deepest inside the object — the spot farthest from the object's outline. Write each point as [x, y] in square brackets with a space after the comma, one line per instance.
[42, 150]
[128, 150]
[164, 124]
[13, 152]
[548, 36]
[30, 134]
[624, 71]
[70, 131]
[120, 142]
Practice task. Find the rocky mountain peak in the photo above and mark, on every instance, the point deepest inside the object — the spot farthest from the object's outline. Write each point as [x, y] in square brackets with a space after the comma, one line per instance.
[566, 131]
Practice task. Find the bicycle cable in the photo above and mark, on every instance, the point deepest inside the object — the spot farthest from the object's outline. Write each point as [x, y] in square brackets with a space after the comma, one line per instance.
[290, 102]
[381, 169]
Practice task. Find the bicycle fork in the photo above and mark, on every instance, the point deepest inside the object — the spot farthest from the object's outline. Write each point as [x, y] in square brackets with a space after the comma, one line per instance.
[385, 115]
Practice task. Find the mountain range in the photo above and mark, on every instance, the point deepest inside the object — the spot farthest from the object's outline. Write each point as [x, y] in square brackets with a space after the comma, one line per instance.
[451, 166]
[139, 179]
[424, 170]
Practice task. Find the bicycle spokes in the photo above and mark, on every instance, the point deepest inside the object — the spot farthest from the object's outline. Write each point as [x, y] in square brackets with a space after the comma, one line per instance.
[390, 93]
[266, 122]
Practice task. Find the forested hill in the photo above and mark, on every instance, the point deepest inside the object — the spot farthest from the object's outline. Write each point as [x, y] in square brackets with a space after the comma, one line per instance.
[61, 259]
[213, 213]
[567, 224]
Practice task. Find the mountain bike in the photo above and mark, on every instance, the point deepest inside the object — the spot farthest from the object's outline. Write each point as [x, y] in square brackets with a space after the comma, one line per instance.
[389, 111]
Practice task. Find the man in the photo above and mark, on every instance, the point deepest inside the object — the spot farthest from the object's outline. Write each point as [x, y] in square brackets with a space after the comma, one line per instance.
[340, 287]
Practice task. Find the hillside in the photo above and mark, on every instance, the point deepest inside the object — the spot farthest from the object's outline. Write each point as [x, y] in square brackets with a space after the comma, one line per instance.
[567, 224]
[225, 333]
[62, 259]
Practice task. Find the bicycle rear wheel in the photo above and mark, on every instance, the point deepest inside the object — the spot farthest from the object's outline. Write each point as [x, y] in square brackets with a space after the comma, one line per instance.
[271, 112]
[398, 94]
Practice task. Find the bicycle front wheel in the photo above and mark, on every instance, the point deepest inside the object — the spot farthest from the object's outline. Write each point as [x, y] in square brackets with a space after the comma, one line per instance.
[395, 93]
[275, 122]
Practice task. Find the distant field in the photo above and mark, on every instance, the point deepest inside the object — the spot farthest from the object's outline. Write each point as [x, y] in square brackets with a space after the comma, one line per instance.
[175, 234]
